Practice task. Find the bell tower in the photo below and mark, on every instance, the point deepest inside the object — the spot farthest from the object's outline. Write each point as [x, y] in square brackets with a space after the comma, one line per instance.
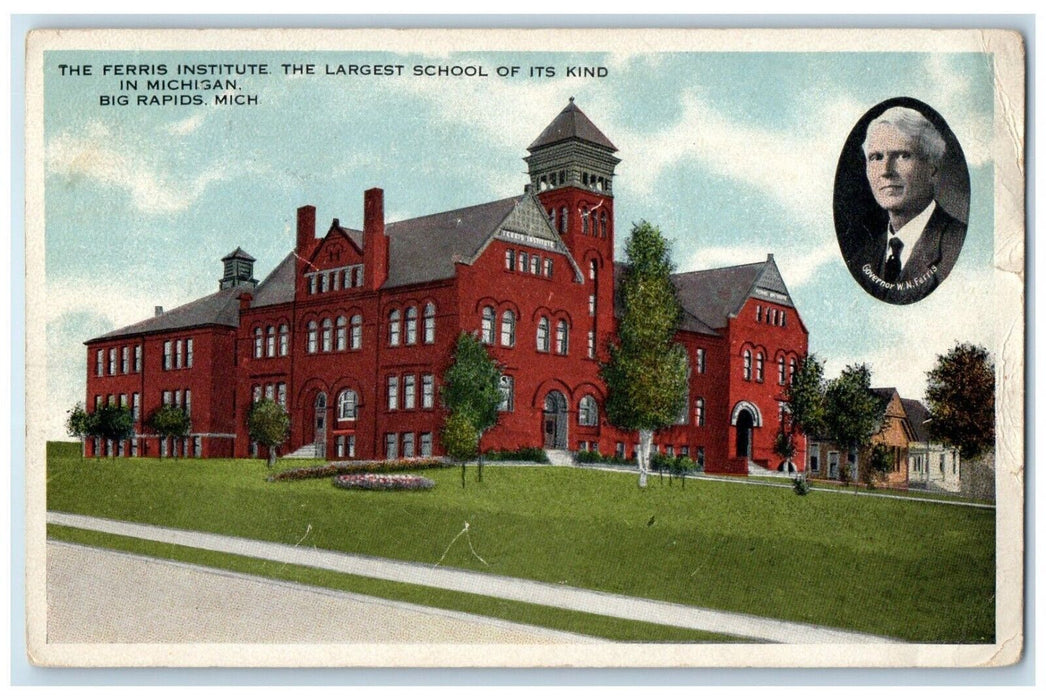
[571, 166]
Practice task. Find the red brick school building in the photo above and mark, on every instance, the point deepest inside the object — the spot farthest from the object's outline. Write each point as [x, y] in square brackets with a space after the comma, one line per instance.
[353, 331]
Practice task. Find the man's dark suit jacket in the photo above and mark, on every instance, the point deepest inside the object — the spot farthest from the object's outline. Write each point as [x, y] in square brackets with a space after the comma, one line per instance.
[930, 261]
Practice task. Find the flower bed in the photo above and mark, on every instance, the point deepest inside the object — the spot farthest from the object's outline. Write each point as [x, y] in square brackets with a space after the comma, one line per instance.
[383, 482]
[337, 468]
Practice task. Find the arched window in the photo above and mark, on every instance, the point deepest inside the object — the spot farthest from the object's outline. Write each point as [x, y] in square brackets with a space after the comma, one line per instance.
[759, 367]
[543, 335]
[258, 345]
[792, 365]
[356, 332]
[412, 325]
[748, 365]
[487, 327]
[341, 336]
[584, 220]
[328, 335]
[563, 220]
[508, 329]
[430, 323]
[285, 340]
[311, 337]
[270, 341]
[587, 411]
[781, 370]
[394, 327]
[699, 411]
[347, 401]
[593, 269]
[603, 225]
[562, 338]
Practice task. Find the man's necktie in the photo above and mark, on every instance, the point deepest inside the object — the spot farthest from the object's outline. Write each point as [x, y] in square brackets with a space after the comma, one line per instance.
[892, 270]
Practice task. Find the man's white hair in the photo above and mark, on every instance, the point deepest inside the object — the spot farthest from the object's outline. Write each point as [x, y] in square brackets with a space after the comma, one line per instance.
[914, 125]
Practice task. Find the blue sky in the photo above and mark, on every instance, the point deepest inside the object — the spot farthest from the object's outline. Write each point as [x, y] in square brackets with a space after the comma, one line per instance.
[733, 155]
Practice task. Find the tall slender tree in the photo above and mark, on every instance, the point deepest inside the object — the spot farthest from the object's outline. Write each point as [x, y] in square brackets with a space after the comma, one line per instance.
[804, 396]
[853, 414]
[79, 425]
[646, 370]
[472, 392]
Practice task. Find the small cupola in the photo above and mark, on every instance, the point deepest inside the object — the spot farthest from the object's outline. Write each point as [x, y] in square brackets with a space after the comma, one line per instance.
[238, 268]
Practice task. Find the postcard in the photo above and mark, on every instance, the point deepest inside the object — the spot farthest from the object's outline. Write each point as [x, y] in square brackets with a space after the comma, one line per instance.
[525, 348]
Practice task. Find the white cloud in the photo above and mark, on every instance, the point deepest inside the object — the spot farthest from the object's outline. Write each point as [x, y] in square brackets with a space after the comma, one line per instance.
[100, 156]
[186, 126]
[950, 93]
[904, 341]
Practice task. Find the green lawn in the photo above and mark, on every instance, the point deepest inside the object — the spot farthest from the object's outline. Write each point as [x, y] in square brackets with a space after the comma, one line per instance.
[918, 571]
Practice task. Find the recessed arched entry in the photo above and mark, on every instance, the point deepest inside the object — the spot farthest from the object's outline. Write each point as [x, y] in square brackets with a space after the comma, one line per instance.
[745, 418]
[320, 414]
[554, 421]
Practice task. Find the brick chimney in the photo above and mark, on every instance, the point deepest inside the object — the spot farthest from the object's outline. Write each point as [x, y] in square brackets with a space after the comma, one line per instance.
[306, 231]
[245, 299]
[375, 242]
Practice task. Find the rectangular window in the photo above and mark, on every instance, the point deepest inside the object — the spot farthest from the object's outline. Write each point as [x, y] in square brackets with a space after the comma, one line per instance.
[426, 445]
[427, 390]
[281, 394]
[833, 465]
[548, 267]
[815, 458]
[135, 406]
[270, 392]
[97, 401]
[134, 447]
[188, 352]
[197, 446]
[123, 400]
[507, 387]
[112, 361]
[591, 304]
[535, 265]
[699, 411]
[510, 260]
[391, 440]
[684, 450]
[393, 392]
[99, 363]
[119, 448]
[178, 354]
[125, 359]
[166, 398]
[619, 450]
[408, 444]
[524, 261]
[700, 360]
[409, 391]
[591, 344]
[166, 354]
[188, 402]
[163, 447]
[137, 358]
[178, 398]
[700, 458]
[670, 450]
[758, 313]
[256, 394]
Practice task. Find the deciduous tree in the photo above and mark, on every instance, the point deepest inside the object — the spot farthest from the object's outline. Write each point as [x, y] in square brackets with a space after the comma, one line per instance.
[79, 425]
[804, 395]
[170, 422]
[472, 390]
[646, 370]
[268, 424]
[853, 414]
[960, 395]
[112, 423]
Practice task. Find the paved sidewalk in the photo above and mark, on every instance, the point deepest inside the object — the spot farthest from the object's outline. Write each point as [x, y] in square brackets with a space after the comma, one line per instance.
[102, 596]
[557, 596]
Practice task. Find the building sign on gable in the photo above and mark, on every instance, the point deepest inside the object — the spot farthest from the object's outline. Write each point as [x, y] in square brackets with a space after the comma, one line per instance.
[527, 239]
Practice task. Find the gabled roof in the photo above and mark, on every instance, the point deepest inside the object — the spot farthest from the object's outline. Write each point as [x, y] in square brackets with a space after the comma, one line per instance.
[426, 248]
[278, 287]
[919, 417]
[571, 123]
[219, 309]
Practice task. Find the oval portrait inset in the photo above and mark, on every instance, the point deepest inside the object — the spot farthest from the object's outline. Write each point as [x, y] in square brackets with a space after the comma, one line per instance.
[902, 200]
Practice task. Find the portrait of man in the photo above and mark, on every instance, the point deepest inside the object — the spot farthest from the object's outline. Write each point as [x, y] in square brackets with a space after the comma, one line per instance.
[902, 242]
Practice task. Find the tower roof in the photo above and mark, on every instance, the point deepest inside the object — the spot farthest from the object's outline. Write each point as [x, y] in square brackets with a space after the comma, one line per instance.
[238, 254]
[571, 123]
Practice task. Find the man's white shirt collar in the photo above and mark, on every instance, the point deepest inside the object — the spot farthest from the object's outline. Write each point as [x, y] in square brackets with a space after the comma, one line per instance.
[910, 233]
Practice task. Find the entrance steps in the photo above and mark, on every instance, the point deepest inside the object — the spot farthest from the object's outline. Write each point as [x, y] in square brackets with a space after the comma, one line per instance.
[560, 458]
[304, 452]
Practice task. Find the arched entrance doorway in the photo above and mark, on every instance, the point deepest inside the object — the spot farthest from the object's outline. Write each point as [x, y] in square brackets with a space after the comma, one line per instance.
[321, 424]
[745, 421]
[554, 421]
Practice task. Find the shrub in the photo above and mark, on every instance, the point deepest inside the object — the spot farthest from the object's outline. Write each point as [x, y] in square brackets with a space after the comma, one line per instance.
[338, 468]
[594, 457]
[520, 454]
[800, 485]
[383, 482]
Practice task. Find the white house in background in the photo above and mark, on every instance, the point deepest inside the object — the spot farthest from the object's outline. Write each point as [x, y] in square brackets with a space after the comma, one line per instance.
[931, 465]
